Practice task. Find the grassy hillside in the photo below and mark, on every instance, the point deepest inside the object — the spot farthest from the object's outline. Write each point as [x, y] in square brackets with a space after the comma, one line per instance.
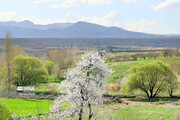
[121, 68]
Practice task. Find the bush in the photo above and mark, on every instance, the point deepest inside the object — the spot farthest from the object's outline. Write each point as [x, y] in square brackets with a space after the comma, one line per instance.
[5, 113]
[56, 79]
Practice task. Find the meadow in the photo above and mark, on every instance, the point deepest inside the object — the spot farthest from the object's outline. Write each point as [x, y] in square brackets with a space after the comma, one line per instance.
[26, 107]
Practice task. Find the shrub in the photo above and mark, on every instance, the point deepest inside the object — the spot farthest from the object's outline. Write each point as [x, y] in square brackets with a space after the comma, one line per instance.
[5, 113]
[113, 87]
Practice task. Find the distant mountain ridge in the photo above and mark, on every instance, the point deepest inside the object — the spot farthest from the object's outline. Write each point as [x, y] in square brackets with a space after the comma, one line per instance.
[27, 29]
[30, 25]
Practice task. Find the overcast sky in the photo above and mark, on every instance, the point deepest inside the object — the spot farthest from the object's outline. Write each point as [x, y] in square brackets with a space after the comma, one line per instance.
[151, 16]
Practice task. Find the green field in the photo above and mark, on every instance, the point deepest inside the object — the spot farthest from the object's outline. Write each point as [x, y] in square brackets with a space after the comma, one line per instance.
[27, 107]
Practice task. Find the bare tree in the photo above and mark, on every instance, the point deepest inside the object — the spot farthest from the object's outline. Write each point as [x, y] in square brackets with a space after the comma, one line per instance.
[62, 59]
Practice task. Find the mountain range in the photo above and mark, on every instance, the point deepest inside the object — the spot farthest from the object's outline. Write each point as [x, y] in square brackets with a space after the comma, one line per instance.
[27, 29]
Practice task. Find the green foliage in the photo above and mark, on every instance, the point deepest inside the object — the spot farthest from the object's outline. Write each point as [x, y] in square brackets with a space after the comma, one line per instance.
[151, 78]
[5, 113]
[28, 71]
[55, 79]
[49, 65]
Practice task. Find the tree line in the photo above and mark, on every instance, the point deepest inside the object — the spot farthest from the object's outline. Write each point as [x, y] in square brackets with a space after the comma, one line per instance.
[21, 69]
[149, 55]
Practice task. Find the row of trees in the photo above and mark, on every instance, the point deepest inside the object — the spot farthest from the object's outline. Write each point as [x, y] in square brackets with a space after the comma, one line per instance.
[134, 57]
[151, 55]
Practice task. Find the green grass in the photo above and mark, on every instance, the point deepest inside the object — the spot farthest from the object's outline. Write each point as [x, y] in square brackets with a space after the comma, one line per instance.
[54, 79]
[121, 68]
[141, 110]
[23, 107]
[147, 100]
[138, 112]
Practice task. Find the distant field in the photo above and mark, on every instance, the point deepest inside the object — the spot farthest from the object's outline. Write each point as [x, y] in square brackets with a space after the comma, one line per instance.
[27, 107]
[33, 45]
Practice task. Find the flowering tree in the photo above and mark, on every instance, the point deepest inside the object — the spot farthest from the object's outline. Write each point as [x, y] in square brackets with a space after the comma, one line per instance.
[85, 86]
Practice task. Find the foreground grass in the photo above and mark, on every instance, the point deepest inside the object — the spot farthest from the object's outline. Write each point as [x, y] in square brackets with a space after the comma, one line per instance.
[27, 107]
[137, 109]
[148, 112]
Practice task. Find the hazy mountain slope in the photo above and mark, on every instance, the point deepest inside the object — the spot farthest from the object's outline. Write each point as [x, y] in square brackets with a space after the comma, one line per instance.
[27, 29]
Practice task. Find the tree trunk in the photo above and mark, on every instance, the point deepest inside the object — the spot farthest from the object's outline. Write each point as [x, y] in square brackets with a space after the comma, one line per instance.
[9, 79]
[80, 112]
[90, 111]
[147, 94]
[170, 91]
[151, 93]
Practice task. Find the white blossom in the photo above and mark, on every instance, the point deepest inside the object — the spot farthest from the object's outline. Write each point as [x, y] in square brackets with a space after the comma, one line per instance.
[84, 85]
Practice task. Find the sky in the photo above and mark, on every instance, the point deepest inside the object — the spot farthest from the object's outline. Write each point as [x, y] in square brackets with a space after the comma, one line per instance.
[149, 16]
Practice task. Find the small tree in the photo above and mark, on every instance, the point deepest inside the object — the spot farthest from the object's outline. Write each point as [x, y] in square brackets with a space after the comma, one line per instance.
[85, 86]
[8, 58]
[49, 65]
[5, 113]
[151, 78]
[28, 71]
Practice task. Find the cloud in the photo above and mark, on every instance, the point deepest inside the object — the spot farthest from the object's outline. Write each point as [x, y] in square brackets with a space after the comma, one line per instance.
[140, 26]
[8, 16]
[14, 16]
[99, 2]
[70, 3]
[110, 19]
[169, 5]
[43, 1]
